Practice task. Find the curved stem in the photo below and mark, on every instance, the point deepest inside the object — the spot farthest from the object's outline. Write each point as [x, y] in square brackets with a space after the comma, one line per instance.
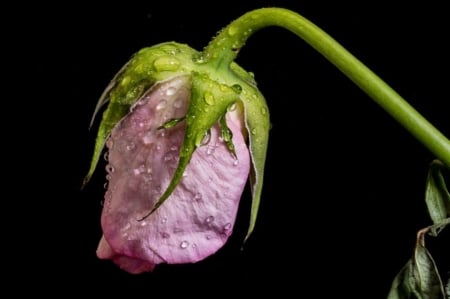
[223, 49]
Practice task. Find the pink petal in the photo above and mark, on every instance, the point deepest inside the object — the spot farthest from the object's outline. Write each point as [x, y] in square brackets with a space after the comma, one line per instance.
[197, 219]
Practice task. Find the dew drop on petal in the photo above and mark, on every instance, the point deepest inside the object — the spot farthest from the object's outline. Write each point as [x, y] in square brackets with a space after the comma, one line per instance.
[147, 139]
[184, 244]
[165, 235]
[109, 143]
[161, 105]
[178, 103]
[197, 197]
[210, 150]
[109, 168]
[227, 226]
[130, 146]
[170, 91]
[209, 219]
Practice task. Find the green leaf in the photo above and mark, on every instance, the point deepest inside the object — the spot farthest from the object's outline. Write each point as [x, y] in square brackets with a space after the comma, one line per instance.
[419, 278]
[437, 196]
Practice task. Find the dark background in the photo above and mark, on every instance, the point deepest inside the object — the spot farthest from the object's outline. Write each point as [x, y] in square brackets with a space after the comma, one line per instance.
[344, 186]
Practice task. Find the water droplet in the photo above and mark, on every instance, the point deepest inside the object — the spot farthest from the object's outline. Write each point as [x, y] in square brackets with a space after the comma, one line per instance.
[227, 226]
[194, 245]
[207, 138]
[109, 143]
[209, 98]
[106, 156]
[108, 177]
[125, 80]
[158, 147]
[143, 223]
[169, 49]
[139, 170]
[209, 219]
[165, 235]
[248, 32]
[263, 110]
[178, 103]
[168, 157]
[166, 63]
[253, 131]
[164, 220]
[131, 146]
[237, 88]
[161, 105]
[184, 244]
[210, 150]
[235, 162]
[174, 148]
[197, 197]
[231, 107]
[147, 139]
[105, 185]
[109, 168]
[126, 227]
[170, 91]
[198, 58]
[232, 30]
[139, 68]
[208, 237]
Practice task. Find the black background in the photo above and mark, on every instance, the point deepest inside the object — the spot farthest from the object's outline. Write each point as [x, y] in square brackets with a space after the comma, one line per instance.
[344, 186]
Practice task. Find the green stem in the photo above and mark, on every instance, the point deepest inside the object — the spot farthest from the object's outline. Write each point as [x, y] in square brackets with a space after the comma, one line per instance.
[223, 49]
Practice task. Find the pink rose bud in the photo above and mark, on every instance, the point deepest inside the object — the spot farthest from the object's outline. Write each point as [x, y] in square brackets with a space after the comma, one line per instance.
[181, 144]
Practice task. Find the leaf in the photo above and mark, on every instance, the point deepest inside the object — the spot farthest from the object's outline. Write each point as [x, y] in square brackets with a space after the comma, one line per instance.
[437, 196]
[419, 278]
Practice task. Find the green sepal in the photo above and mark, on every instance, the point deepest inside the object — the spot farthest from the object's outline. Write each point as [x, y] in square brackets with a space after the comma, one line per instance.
[208, 104]
[257, 122]
[144, 69]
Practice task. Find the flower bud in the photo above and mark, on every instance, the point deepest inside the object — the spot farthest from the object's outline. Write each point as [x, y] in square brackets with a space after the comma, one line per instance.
[182, 140]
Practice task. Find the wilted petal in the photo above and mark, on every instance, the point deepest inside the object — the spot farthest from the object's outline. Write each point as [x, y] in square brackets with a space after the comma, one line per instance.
[197, 219]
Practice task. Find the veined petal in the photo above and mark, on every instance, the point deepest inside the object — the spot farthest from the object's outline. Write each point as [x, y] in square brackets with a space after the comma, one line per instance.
[198, 217]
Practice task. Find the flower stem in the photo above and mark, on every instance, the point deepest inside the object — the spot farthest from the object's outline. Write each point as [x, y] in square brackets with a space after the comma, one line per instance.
[223, 49]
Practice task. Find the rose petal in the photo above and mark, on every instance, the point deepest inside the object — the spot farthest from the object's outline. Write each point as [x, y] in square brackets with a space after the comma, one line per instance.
[197, 219]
